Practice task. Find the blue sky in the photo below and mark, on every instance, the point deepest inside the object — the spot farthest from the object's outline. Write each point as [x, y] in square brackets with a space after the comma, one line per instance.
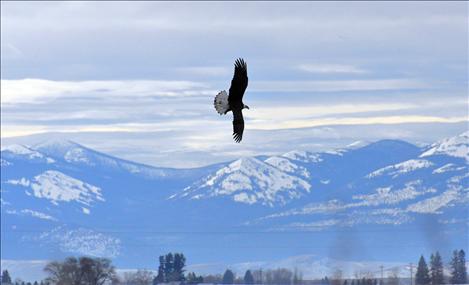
[137, 79]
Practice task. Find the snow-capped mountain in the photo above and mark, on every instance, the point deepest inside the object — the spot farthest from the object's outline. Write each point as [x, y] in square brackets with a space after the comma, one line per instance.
[61, 198]
[455, 146]
[396, 194]
[56, 187]
[401, 168]
[78, 155]
[250, 181]
[23, 152]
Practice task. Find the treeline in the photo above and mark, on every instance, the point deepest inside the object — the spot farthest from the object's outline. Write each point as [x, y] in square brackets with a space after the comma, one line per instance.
[6, 279]
[171, 269]
[434, 274]
[271, 276]
[72, 271]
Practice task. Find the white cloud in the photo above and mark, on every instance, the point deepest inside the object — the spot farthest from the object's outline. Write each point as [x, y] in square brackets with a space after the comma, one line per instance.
[337, 85]
[331, 68]
[206, 70]
[289, 112]
[34, 90]
[358, 121]
[37, 90]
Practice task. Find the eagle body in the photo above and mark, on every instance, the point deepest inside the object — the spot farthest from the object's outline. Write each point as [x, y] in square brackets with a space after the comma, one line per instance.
[234, 100]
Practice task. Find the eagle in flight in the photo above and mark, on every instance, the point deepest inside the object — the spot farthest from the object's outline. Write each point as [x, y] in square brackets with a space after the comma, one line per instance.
[234, 101]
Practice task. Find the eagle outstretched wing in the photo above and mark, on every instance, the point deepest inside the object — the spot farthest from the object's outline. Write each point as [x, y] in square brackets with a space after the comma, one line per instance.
[239, 83]
[238, 125]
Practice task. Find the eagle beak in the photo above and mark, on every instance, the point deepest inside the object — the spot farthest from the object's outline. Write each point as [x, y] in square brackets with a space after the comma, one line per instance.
[246, 106]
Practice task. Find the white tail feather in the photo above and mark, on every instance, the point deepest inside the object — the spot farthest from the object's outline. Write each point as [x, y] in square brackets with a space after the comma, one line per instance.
[221, 102]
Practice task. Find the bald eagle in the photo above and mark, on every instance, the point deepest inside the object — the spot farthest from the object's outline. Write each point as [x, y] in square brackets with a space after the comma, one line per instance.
[234, 101]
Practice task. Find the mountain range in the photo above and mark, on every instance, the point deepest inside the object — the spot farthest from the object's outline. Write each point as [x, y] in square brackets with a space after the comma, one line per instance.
[387, 200]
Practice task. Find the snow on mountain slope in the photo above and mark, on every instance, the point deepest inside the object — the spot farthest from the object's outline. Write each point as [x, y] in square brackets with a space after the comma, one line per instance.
[82, 241]
[24, 152]
[4, 162]
[284, 164]
[433, 204]
[456, 192]
[387, 196]
[250, 181]
[448, 167]
[395, 194]
[400, 168]
[388, 216]
[31, 213]
[379, 197]
[58, 187]
[303, 156]
[356, 144]
[77, 154]
[457, 146]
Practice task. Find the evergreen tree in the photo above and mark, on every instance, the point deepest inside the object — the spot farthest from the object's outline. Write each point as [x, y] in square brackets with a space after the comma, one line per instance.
[160, 278]
[345, 282]
[190, 277]
[248, 278]
[422, 277]
[178, 267]
[297, 277]
[462, 267]
[436, 269]
[171, 268]
[228, 277]
[194, 279]
[200, 279]
[458, 268]
[353, 282]
[168, 267]
[454, 268]
[6, 279]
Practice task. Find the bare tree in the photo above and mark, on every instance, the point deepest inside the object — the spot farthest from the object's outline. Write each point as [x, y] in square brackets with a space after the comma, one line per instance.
[258, 276]
[337, 277]
[297, 276]
[278, 276]
[364, 274]
[64, 273]
[212, 278]
[83, 271]
[141, 277]
[393, 276]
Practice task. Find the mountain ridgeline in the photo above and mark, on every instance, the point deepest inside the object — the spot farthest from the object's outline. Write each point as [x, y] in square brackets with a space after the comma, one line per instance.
[392, 197]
